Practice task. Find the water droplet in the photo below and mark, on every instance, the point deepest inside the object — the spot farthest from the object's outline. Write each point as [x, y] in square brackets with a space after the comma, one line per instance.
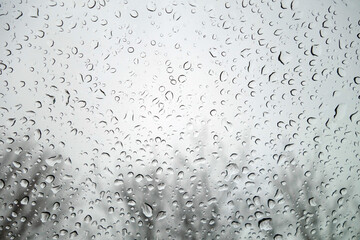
[17, 164]
[343, 191]
[169, 95]
[24, 183]
[131, 203]
[312, 202]
[134, 14]
[52, 161]
[147, 210]
[271, 203]
[73, 234]
[25, 200]
[161, 215]
[49, 178]
[231, 170]
[88, 219]
[139, 178]
[223, 76]
[131, 49]
[265, 224]
[151, 6]
[44, 216]
[182, 78]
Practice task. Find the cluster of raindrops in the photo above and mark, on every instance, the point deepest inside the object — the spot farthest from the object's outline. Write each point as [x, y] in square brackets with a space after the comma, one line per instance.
[179, 120]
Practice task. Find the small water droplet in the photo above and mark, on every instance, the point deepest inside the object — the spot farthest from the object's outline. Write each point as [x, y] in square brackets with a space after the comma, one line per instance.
[52, 161]
[24, 183]
[134, 14]
[25, 200]
[161, 215]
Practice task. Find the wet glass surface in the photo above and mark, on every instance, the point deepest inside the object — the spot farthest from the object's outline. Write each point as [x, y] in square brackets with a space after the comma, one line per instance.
[179, 119]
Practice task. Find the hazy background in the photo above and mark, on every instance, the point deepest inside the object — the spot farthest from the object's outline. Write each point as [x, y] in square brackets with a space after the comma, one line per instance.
[114, 85]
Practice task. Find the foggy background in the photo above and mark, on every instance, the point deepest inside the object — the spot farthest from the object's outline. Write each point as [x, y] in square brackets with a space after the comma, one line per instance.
[237, 97]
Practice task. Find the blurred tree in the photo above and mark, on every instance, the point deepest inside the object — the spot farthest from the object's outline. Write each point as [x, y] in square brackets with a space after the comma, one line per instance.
[304, 207]
[234, 199]
[31, 192]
